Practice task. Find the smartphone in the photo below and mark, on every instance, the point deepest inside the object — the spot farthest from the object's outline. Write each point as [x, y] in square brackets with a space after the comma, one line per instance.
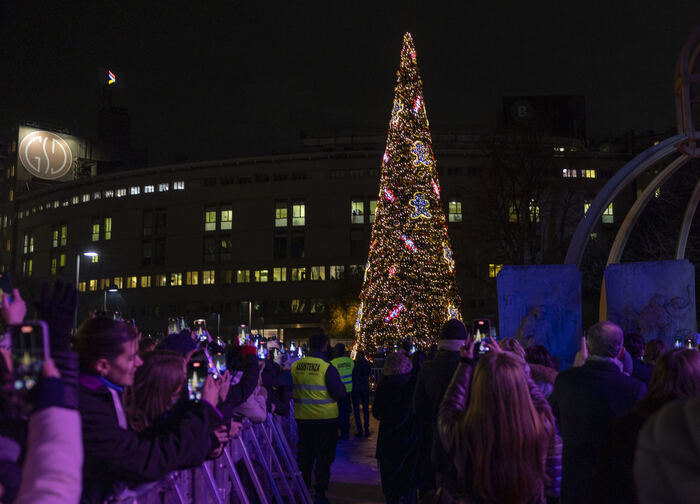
[30, 348]
[200, 329]
[6, 286]
[196, 374]
[218, 356]
[481, 332]
[173, 325]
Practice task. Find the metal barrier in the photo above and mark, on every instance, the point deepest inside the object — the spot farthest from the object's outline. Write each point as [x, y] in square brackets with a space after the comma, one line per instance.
[258, 466]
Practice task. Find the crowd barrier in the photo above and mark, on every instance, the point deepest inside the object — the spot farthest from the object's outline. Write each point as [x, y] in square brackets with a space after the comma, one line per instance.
[258, 466]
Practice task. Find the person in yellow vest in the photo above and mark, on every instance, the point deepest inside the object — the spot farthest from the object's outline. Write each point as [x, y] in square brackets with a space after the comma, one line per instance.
[317, 390]
[344, 365]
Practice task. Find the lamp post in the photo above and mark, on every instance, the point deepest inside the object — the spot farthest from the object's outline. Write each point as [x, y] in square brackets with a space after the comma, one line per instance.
[87, 253]
[112, 288]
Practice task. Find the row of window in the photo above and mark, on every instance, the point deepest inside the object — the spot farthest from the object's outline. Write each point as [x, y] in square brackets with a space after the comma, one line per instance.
[209, 277]
[583, 173]
[178, 185]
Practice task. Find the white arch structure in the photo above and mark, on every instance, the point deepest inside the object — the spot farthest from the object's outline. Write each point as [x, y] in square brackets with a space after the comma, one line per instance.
[678, 150]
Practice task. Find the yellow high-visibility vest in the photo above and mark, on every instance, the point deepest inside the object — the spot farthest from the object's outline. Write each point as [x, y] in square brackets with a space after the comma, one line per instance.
[311, 398]
[344, 365]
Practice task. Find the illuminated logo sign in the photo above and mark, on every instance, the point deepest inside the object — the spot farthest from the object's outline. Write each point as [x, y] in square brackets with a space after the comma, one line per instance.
[111, 78]
[45, 155]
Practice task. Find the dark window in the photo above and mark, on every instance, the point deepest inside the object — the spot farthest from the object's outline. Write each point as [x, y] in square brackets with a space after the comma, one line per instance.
[159, 256]
[279, 177]
[297, 246]
[454, 171]
[146, 253]
[357, 244]
[262, 177]
[244, 180]
[209, 182]
[279, 247]
[228, 180]
[147, 223]
[298, 176]
[161, 220]
[226, 248]
[209, 249]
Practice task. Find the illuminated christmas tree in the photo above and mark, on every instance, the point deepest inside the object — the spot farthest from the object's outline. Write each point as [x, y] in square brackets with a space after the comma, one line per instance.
[409, 287]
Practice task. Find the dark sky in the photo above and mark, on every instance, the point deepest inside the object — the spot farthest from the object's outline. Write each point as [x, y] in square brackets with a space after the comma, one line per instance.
[222, 79]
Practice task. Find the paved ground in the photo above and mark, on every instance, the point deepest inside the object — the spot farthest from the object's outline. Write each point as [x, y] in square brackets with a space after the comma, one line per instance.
[354, 474]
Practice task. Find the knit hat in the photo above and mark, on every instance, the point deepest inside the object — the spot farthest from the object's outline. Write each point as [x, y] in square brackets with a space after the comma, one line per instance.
[453, 329]
[397, 363]
[181, 343]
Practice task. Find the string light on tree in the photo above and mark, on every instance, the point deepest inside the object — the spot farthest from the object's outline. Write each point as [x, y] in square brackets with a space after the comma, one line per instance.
[410, 288]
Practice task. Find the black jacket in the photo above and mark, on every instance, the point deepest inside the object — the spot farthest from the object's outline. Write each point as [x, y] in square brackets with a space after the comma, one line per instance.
[585, 400]
[360, 376]
[399, 436]
[433, 379]
[641, 371]
[113, 454]
[278, 392]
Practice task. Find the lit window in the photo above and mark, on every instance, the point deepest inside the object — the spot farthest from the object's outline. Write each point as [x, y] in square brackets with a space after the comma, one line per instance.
[534, 211]
[242, 276]
[192, 278]
[298, 274]
[179, 185]
[94, 259]
[108, 228]
[657, 193]
[372, 210]
[85, 198]
[8, 245]
[92, 285]
[54, 265]
[279, 275]
[298, 214]
[118, 282]
[97, 195]
[55, 204]
[175, 279]
[11, 195]
[336, 272]
[569, 173]
[146, 281]
[54, 237]
[109, 193]
[318, 272]
[62, 261]
[356, 269]
[75, 200]
[64, 235]
[208, 277]
[454, 211]
[121, 192]
[131, 282]
[261, 275]
[298, 305]
[588, 173]
[280, 214]
[135, 190]
[513, 212]
[494, 269]
[163, 187]
[226, 218]
[81, 287]
[149, 189]
[105, 283]
[586, 205]
[161, 280]
[357, 212]
[609, 215]
[95, 230]
[27, 266]
[210, 219]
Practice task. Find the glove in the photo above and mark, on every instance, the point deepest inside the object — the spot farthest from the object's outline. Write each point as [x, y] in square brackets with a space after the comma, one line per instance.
[58, 310]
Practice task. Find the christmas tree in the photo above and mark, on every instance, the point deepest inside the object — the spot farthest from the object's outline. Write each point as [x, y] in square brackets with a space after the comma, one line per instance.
[409, 287]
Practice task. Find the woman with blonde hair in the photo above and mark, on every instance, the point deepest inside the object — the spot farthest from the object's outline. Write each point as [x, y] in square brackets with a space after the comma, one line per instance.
[500, 431]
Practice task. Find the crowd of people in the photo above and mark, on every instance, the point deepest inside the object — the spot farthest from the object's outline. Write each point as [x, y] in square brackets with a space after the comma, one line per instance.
[471, 422]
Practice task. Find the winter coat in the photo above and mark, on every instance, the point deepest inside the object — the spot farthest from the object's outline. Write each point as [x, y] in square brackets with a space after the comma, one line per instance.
[454, 405]
[278, 393]
[585, 400]
[399, 436]
[641, 371]
[118, 454]
[433, 379]
[544, 377]
[667, 459]
[360, 376]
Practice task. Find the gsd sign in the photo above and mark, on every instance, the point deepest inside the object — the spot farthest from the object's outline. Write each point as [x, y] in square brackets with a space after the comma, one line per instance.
[45, 155]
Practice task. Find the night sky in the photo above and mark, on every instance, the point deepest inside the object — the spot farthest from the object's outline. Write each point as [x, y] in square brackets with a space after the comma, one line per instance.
[240, 78]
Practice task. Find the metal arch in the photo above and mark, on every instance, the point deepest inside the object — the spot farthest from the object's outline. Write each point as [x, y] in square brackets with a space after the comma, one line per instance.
[688, 58]
[632, 216]
[687, 222]
[617, 183]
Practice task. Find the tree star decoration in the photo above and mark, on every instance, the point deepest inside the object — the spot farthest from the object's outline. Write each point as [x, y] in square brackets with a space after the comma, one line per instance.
[447, 254]
[420, 206]
[421, 154]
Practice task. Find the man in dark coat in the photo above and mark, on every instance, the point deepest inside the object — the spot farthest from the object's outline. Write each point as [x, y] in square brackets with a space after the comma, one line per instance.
[433, 379]
[634, 344]
[585, 400]
[360, 392]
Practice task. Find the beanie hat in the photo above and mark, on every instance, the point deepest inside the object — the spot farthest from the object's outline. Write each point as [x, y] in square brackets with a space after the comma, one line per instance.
[453, 329]
[397, 363]
[181, 343]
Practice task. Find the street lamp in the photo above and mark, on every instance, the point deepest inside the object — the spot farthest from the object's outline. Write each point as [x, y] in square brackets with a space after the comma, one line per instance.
[87, 253]
[111, 288]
